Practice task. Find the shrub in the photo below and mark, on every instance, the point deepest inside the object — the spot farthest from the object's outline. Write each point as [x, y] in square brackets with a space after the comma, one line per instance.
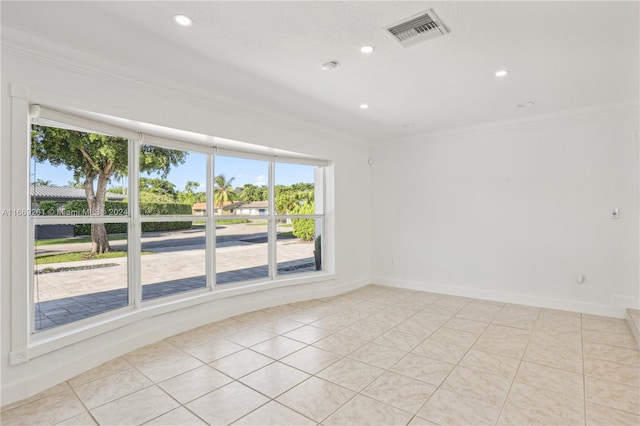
[118, 208]
[305, 229]
[48, 208]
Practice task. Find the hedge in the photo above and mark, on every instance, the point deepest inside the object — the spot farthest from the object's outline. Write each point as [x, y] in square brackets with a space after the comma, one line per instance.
[118, 208]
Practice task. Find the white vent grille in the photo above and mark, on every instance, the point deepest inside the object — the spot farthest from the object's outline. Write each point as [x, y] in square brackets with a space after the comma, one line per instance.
[418, 28]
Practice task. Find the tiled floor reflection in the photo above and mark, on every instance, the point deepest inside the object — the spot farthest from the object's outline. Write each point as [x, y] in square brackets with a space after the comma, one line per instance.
[373, 356]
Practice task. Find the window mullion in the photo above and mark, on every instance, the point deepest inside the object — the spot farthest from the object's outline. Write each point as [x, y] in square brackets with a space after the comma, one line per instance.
[135, 226]
[210, 226]
[272, 226]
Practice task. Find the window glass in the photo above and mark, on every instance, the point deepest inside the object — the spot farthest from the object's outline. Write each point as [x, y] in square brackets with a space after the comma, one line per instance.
[295, 189]
[77, 173]
[172, 182]
[302, 251]
[69, 282]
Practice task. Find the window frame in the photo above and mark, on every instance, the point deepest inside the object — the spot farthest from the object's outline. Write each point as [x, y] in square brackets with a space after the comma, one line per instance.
[27, 344]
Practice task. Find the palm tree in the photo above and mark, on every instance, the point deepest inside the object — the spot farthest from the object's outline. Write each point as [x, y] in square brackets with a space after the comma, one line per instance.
[223, 191]
[42, 182]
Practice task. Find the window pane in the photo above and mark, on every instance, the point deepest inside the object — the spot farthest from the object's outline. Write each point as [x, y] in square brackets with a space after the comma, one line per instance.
[70, 283]
[173, 261]
[240, 186]
[64, 173]
[172, 182]
[299, 246]
[241, 251]
[295, 189]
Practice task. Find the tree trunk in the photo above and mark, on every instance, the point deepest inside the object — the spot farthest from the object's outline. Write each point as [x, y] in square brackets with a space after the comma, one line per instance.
[95, 200]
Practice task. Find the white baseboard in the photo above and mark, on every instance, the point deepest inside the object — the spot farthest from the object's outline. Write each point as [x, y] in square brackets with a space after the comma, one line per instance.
[126, 339]
[616, 307]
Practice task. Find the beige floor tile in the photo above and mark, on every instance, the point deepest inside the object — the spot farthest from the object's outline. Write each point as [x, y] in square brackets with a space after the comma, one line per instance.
[241, 363]
[554, 355]
[59, 388]
[377, 355]
[416, 327]
[612, 353]
[274, 414]
[487, 388]
[507, 333]
[604, 324]
[476, 312]
[397, 340]
[310, 359]
[83, 419]
[366, 411]
[419, 421]
[440, 351]
[614, 395]
[213, 350]
[351, 374]
[274, 379]
[340, 344]
[337, 321]
[450, 408]
[195, 383]
[250, 337]
[315, 398]
[178, 417]
[227, 404]
[422, 368]
[136, 408]
[552, 379]
[307, 334]
[44, 411]
[599, 415]
[455, 337]
[162, 361]
[363, 331]
[278, 347]
[281, 326]
[109, 388]
[622, 338]
[191, 338]
[485, 362]
[534, 406]
[108, 368]
[400, 391]
[509, 348]
[368, 307]
[224, 328]
[612, 371]
[471, 326]
[560, 317]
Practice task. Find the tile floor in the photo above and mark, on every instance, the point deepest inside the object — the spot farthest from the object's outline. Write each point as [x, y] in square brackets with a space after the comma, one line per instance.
[376, 355]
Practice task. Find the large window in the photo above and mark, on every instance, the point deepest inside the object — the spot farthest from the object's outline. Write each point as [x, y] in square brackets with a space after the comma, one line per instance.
[121, 222]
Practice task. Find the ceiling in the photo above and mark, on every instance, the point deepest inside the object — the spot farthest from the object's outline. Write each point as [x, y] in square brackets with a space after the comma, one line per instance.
[265, 57]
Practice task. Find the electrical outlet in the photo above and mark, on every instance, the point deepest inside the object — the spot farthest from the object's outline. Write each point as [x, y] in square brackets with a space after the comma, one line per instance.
[614, 214]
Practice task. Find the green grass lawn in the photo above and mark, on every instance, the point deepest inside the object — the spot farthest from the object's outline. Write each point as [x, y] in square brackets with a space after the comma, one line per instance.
[75, 240]
[80, 255]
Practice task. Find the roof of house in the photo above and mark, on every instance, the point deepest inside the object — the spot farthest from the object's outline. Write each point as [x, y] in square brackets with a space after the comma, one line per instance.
[199, 206]
[66, 192]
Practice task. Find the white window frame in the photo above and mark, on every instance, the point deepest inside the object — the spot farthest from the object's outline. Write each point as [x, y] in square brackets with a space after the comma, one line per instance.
[25, 344]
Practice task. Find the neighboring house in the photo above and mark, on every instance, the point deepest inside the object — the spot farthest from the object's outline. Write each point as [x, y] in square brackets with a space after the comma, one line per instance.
[199, 209]
[254, 208]
[229, 207]
[63, 194]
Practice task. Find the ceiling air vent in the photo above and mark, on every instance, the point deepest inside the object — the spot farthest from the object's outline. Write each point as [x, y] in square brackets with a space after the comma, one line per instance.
[418, 28]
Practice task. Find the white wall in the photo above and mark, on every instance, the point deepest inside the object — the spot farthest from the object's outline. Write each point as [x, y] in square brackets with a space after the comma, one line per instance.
[514, 213]
[50, 82]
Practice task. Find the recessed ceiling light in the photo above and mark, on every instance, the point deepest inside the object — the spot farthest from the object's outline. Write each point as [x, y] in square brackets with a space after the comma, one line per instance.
[501, 73]
[329, 65]
[367, 49]
[183, 20]
[364, 106]
[525, 104]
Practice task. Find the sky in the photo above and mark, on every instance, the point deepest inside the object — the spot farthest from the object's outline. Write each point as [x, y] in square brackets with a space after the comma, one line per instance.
[194, 169]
